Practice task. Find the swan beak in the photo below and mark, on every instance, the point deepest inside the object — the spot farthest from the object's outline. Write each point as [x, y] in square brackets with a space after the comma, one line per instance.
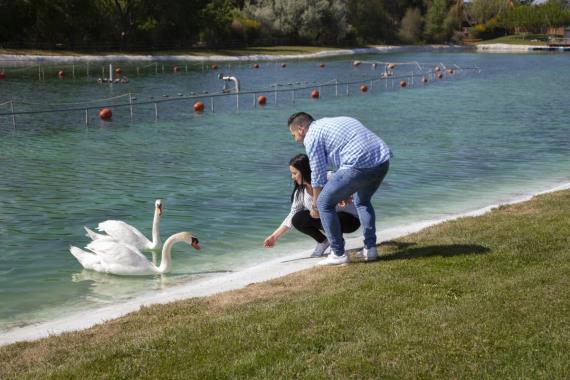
[159, 208]
[195, 243]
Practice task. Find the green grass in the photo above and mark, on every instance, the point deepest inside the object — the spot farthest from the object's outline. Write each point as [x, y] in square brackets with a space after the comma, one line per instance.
[271, 50]
[476, 298]
[519, 39]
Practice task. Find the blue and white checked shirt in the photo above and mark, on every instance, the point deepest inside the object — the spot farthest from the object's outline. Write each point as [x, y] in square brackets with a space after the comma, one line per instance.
[342, 142]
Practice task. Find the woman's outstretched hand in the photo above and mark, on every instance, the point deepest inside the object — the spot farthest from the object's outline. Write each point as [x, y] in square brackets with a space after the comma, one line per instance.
[269, 242]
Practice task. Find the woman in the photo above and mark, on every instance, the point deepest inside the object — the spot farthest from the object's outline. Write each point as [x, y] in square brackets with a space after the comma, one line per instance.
[301, 202]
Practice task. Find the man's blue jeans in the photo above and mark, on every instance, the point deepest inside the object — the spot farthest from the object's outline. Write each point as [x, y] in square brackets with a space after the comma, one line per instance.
[363, 183]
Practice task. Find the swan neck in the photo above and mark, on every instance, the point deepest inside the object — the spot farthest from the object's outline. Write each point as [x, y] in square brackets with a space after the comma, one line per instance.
[156, 228]
[166, 260]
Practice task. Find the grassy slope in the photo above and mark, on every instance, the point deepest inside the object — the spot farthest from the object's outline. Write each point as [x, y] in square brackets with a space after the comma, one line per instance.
[538, 40]
[483, 297]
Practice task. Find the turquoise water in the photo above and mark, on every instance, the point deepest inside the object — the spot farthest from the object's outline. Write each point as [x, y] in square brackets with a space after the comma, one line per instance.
[459, 144]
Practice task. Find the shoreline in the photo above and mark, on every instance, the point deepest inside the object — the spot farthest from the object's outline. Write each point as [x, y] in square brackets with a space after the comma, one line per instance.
[236, 280]
[221, 58]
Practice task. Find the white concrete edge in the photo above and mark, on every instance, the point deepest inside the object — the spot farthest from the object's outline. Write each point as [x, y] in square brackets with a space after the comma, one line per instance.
[231, 281]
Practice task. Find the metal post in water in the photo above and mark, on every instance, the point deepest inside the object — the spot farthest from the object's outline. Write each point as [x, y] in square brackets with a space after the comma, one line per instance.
[73, 70]
[13, 116]
[237, 101]
[163, 68]
[102, 71]
[138, 70]
[275, 94]
[412, 78]
[347, 94]
[110, 73]
[86, 117]
[39, 72]
[155, 112]
[87, 69]
[131, 106]
[336, 87]
[186, 67]
[254, 105]
[156, 67]
[212, 101]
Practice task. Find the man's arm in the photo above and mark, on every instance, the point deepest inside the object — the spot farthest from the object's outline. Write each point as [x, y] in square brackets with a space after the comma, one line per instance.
[314, 210]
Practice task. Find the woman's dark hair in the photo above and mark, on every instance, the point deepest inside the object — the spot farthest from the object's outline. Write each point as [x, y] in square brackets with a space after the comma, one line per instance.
[301, 163]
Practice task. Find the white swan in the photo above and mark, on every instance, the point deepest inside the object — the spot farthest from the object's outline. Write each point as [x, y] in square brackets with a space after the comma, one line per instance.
[110, 256]
[125, 233]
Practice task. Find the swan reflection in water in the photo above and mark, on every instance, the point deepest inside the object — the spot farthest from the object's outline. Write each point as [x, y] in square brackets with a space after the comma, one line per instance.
[109, 288]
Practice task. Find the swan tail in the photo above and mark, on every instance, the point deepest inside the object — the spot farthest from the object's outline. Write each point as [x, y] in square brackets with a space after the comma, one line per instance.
[86, 259]
[92, 234]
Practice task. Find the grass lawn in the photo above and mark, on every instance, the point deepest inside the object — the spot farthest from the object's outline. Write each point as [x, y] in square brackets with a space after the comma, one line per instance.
[519, 39]
[476, 298]
[272, 50]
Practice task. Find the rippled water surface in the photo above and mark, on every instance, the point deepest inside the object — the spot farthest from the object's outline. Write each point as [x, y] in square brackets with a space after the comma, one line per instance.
[461, 143]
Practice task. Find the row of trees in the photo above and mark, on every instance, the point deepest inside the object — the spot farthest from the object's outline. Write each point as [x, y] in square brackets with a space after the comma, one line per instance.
[144, 24]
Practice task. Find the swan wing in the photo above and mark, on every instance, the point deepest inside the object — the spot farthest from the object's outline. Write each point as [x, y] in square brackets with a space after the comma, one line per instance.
[92, 234]
[87, 259]
[120, 258]
[124, 233]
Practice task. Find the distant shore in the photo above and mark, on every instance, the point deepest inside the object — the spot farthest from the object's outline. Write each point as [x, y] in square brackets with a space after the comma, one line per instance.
[120, 57]
[221, 58]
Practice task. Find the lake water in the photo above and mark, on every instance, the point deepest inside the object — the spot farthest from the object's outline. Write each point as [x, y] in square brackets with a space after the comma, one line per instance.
[460, 143]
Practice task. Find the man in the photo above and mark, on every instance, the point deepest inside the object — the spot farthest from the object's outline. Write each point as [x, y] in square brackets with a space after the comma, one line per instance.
[361, 160]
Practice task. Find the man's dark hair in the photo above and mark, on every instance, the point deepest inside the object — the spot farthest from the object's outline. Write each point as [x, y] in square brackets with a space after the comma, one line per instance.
[300, 118]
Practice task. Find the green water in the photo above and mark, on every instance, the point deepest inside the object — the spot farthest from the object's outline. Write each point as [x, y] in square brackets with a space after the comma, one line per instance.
[460, 144]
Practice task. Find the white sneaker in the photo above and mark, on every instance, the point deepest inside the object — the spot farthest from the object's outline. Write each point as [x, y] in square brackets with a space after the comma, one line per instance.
[321, 248]
[369, 254]
[333, 259]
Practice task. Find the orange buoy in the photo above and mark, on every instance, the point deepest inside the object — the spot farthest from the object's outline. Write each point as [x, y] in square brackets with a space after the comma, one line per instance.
[439, 75]
[363, 88]
[256, 66]
[2, 75]
[198, 106]
[322, 65]
[214, 67]
[284, 65]
[175, 69]
[315, 94]
[403, 83]
[261, 100]
[118, 71]
[60, 74]
[450, 71]
[392, 66]
[105, 114]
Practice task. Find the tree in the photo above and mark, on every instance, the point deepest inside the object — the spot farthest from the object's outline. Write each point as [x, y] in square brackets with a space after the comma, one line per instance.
[434, 26]
[483, 10]
[411, 27]
[370, 20]
[315, 21]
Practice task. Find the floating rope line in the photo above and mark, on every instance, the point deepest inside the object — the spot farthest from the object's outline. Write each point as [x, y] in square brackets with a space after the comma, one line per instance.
[76, 103]
[297, 86]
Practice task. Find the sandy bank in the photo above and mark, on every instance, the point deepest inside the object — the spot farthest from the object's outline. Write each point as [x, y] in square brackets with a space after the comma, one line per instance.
[216, 58]
[230, 281]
